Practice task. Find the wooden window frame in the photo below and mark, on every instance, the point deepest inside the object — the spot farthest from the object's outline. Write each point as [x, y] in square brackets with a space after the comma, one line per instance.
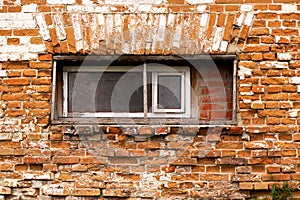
[57, 100]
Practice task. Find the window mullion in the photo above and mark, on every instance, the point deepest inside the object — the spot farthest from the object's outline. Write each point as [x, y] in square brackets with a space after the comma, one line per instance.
[145, 91]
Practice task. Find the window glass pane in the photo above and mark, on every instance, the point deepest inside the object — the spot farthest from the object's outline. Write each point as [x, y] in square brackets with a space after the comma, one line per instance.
[113, 92]
[81, 86]
[169, 92]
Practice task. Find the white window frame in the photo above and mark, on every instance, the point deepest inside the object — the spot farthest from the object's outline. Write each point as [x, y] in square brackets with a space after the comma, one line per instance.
[155, 76]
[184, 72]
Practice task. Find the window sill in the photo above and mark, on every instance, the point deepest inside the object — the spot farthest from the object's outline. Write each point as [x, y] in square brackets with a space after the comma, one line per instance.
[139, 121]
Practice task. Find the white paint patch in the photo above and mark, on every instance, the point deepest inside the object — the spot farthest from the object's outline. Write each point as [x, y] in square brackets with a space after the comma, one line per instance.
[289, 8]
[76, 21]
[246, 93]
[101, 20]
[217, 39]
[247, 100]
[31, 8]
[61, 1]
[246, 7]
[171, 20]
[201, 8]
[87, 2]
[161, 28]
[144, 8]
[278, 65]
[249, 18]
[43, 28]
[295, 80]
[176, 37]
[204, 20]
[243, 71]
[3, 73]
[60, 30]
[298, 88]
[293, 113]
[240, 20]
[224, 46]
[193, 2]
[284, 56]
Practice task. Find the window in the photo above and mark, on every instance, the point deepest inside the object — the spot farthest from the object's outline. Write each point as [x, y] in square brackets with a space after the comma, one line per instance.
[144, 88]
[126, 91]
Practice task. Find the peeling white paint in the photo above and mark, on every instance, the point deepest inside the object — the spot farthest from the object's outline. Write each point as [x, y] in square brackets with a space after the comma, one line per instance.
[295, 80]
[240, 20]
[176, 37]
[61, 1]
[193, 2]
[43, 28]
[224, 46]
[284, 56]
[161, 28]
[171, 20]
[201, 8]
[76, 21]
[3, 73]
[289, 8]
[249, 19]
[217, 39]
[31, 8]
[60, 30]
[244, 71]
[204, 20]
[246, 7]
[293, 113]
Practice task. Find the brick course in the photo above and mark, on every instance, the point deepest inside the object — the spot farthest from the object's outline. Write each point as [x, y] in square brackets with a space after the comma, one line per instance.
[40, 160]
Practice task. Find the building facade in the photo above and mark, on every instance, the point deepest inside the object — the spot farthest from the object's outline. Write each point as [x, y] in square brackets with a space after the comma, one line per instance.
[149, 99]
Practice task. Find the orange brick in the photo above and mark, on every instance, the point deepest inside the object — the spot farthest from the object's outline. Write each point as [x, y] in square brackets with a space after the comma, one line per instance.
[36, 40]
[14, 9]
[40, 65]
[26, 32]
[16, 81]
[13, 41]
[39, 2]
[5, 32]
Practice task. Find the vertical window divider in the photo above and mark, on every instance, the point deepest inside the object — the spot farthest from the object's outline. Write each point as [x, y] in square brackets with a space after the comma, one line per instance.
[145, 91]
[65, 95]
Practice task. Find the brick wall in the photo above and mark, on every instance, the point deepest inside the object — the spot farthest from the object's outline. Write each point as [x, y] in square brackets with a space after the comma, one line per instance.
[40, 160]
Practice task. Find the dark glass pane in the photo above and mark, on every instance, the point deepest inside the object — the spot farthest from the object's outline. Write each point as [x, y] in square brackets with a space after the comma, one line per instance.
[106, 92]
[81, 87]
[169, 92]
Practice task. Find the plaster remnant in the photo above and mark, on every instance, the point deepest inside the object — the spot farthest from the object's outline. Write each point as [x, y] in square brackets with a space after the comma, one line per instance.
[76, 21]
[293, 113]
[3, 73]
[284, 56]
[161, 29]
[171, 20]
[244, 71]
[144, 8]
[43, 28]
[246, 7]
[61, 1]
[201, 8]
[289, 8]
[240, 20]
[203, 20]
[217, 39]
[193, 2]
[224, 45]
[295, 80]
[249, 19]
[60, 30]
[31, 8]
